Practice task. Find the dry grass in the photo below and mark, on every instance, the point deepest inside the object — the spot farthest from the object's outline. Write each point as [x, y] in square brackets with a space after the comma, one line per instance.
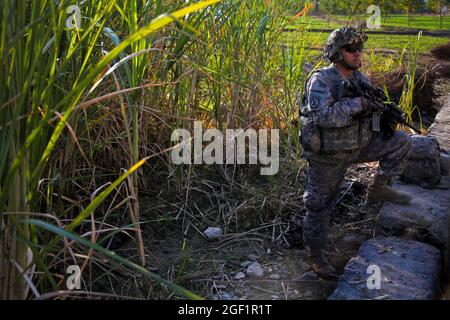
[257, 216]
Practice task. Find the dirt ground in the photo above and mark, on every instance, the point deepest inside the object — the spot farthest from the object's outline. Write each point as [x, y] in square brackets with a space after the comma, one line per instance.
[217, 270]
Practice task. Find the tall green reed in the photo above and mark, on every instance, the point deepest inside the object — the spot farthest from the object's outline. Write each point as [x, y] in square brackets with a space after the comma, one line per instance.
[46, 72]
[407, 98]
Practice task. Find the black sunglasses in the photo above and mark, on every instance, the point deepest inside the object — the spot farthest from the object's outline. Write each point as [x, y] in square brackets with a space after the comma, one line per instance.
[353, 48]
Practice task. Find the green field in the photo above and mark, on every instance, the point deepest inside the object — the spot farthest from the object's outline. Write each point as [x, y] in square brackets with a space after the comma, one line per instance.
[318, 23]
[378, 41]
[419, 22]
[392, 21]
[399, 42]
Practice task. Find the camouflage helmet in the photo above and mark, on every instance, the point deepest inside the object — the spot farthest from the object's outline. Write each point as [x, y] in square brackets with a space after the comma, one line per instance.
[340, 38]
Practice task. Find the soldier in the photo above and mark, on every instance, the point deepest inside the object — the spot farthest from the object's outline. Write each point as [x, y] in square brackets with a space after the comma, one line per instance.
[337, 130]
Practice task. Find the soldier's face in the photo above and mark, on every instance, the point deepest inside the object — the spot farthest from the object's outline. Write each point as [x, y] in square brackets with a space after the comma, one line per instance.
[352, 57]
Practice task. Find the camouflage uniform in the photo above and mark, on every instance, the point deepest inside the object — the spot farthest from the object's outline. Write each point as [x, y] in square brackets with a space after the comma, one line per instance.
[335, 135]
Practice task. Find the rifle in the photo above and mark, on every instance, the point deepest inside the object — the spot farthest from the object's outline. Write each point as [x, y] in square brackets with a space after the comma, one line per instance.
[389, 114]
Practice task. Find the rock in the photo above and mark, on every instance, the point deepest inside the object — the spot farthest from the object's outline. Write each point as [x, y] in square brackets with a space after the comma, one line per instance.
[253, 257]
[302, 265]
[444, 161]
[239, 276]
[309, 276]
[274, 276]
[424, 147]
[255, 271]
[245, 264]
[440, 129]
[224, 296]
[427, 215]
[423, 167]
[213, 233]
[406, 270]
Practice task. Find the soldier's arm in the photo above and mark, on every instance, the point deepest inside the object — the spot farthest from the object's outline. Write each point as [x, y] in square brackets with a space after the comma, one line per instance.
[327, 112]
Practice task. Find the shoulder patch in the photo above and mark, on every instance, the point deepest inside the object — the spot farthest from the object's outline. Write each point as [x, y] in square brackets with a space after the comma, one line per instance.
[315, 102]
[317, 93]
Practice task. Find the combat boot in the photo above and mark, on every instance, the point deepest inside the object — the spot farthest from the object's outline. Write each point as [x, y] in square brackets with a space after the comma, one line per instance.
[380, 191]
[320, 265]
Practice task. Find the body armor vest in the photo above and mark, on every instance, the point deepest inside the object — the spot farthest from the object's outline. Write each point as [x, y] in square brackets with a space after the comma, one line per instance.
[330, 140]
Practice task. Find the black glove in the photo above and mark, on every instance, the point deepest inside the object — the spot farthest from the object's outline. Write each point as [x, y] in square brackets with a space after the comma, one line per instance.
[367, 107]
[388, 125]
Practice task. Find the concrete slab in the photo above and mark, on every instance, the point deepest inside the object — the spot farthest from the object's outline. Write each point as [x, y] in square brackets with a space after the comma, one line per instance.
[427, 217]
[440, 129]
[407, 270]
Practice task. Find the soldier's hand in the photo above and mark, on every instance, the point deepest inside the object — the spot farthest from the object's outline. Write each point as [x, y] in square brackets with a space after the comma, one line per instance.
[367, 106]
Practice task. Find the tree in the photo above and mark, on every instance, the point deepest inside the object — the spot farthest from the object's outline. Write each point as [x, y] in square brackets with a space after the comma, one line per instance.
[345, 7]
[387, 7]
[438, 7]
[329, 6]
[410, 7]
[352, 7]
